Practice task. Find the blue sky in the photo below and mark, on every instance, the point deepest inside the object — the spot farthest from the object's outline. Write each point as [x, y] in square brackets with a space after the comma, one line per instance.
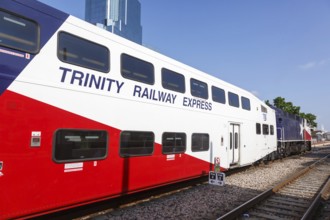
[271, 48]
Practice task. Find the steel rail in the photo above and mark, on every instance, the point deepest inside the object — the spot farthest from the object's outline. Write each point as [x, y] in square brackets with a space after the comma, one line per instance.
[309, 214]
[237, 212]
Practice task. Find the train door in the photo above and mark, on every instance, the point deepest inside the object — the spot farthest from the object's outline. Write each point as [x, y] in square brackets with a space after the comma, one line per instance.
[234, 145]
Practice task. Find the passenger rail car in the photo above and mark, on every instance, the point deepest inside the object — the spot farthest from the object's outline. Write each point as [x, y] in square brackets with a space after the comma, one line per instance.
[86, 115]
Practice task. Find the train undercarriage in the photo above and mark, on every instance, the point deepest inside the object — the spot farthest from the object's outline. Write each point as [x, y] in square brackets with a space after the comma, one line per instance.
[285, 149]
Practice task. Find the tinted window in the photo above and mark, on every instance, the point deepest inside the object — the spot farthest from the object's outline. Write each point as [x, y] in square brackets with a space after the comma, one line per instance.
[136, 143]
[80, 145]
[19, 33]
[173, 81]
[174, 143]
[236, 140]
[198, 89]
[200, 142]
[233, 99]
[263, 109]
[82, 52]
[218, 95]
[246, 103]
[258, 128]
[271, 129]
[136, 69]
[265, 129]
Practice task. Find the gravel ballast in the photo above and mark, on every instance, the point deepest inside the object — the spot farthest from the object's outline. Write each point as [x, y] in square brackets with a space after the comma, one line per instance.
[210, 201]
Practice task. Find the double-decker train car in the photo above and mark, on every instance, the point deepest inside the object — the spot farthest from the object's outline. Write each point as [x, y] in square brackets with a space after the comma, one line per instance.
[86, 115]
[293, 133]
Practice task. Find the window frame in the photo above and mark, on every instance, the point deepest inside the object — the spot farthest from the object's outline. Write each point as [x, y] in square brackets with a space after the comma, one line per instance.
[134, 61]
[258, 128]
[246, 103]
[36, 29]
[126, 155]
[203, 94]
[200, 148]
[271, 129]
[263, 109]
[231, 95]
[175, 134]
[165, 71]
[82, 149]
[79, 62]
[265, 131]
[213, 90]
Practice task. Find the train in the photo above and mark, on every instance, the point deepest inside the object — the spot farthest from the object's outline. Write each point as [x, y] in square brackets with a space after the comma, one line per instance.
[293, 133]
[86, 115]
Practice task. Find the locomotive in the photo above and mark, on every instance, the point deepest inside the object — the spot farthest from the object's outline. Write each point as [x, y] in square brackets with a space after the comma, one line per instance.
[293, 133]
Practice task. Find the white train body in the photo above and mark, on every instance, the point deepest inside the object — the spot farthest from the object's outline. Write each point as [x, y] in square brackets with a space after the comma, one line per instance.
[51, 95]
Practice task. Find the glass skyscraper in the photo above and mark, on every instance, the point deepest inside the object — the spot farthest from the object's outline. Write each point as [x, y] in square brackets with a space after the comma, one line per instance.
[122, 17]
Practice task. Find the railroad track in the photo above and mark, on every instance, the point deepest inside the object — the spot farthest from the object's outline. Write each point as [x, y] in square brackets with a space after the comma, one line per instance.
[323, 201]
[294, 198]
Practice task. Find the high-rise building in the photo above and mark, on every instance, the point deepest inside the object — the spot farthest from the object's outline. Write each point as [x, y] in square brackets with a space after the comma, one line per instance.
[122, 17]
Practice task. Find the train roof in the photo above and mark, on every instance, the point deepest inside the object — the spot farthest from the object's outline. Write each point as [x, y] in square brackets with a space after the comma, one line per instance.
[131, 45]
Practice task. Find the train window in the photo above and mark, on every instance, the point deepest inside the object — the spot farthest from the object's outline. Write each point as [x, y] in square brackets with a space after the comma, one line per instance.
[136, 69]
[173, 81]
[263, 109]
[174, 143]
[80, 145]
[78, 51]
[271, 129]
[200, 142]
[265, 129]
[233, 99]
[245, 103]
[198, 89]
[218, 95]
[19, 33]
[258, 128]
[136, 143]
[236, 140]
